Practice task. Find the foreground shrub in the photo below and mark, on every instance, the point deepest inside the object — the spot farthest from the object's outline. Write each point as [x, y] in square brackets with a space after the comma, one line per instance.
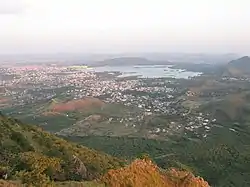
[143, 173]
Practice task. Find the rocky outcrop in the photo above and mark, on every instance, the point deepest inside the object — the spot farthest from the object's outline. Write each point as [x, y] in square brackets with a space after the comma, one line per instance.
[77, 169]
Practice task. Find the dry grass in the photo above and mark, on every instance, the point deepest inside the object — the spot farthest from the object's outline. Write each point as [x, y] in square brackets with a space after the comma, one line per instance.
[178, 178]
[143, 173]
[4, 183]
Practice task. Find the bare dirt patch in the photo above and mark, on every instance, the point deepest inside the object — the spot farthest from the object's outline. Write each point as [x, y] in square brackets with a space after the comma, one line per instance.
[75, 105]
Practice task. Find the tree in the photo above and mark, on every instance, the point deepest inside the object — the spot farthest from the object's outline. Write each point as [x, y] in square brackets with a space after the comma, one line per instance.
[39, 168]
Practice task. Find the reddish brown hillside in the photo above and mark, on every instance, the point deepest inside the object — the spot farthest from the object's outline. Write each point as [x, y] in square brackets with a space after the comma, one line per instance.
[143, 173]
[80, 104]
[3, 100]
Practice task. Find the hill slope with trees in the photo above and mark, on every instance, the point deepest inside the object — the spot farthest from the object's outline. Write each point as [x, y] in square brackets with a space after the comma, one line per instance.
[37, 158]
[28, 152]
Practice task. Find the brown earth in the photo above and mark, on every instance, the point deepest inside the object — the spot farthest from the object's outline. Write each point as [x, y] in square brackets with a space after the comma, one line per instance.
[3, 100]
[80, 104]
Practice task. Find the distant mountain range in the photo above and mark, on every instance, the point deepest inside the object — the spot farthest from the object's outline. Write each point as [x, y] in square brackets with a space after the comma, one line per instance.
[88, 58]
[125, 61]
[242, 63]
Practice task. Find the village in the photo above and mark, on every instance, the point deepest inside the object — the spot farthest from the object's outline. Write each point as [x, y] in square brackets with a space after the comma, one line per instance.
[152, 98]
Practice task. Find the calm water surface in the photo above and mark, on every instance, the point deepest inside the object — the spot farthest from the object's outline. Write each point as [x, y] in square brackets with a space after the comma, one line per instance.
[148, 71]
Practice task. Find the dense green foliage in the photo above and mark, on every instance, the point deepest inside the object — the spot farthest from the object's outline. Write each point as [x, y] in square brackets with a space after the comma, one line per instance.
[29, 153]
[222, 158]
[126, 147]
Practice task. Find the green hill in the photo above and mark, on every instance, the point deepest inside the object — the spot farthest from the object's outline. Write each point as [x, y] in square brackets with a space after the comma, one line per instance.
[242, 63]
[239, 67]
[36, 158]
[31, 155]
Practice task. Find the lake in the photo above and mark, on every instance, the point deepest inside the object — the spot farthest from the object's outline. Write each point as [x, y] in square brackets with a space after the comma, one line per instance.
[148, 71]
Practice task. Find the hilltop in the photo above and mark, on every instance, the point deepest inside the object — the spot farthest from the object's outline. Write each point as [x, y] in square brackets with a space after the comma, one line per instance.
[241, 63]
[238, 67]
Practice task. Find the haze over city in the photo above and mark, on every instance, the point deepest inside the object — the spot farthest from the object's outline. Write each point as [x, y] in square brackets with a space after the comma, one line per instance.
[94, 26]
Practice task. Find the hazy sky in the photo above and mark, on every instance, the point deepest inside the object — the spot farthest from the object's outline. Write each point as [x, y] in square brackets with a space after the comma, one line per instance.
[50, 26]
